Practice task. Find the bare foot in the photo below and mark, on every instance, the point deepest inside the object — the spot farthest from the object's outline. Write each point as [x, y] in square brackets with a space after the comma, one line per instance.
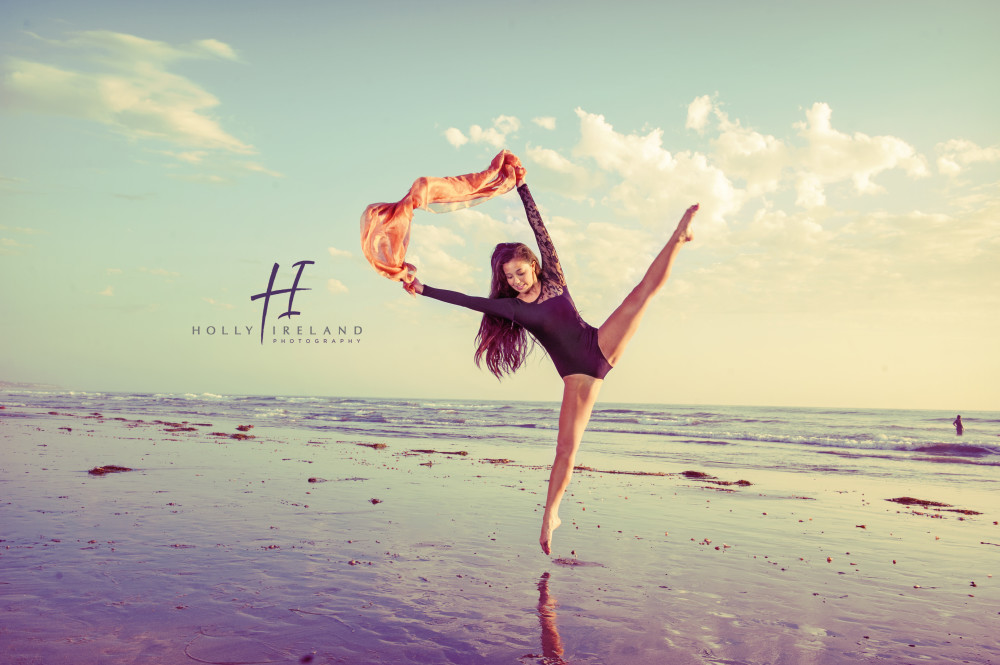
[683, 232]
[549, 524]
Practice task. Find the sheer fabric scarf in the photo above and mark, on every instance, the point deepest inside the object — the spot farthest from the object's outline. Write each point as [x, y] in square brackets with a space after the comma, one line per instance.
[385, 227]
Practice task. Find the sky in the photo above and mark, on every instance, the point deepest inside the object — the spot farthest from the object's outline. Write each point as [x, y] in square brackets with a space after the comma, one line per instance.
[159, 158]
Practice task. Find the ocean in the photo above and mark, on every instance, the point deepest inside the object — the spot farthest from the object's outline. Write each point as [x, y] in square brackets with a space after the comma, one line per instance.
[904, 446]
[303, 542]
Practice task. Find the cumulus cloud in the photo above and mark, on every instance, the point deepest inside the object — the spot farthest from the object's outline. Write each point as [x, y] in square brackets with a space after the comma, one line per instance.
[552, 160]
[956, 154]
[335, 286]
[506, 124]
[494, 135]
[778, 229]
[429, 246]
[490, 135]
[109, 291]
[484, 228]
[779, 220]
[456, 137]
[818, 156]
[653, 181]
[831, 156]
[339, 253]
[559, 172]
[124, 82]
[809, 191]
[545, 122]
[438, 235]
[698, 112]
[760, 160]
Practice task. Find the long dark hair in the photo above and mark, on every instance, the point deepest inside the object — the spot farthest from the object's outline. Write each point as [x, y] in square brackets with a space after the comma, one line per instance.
[503, 343]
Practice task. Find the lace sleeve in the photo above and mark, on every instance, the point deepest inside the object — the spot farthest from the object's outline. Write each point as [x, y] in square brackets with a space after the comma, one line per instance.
[551, 268]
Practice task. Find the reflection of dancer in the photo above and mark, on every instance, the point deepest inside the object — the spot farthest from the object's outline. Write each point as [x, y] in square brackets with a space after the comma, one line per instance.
[528, 294]
[959, 428]
[552, 647]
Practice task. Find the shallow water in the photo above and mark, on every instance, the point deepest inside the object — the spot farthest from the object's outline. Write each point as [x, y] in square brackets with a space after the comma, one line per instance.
[221, 551]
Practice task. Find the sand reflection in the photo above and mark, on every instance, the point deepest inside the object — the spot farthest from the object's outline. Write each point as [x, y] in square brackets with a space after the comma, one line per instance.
[552, 646]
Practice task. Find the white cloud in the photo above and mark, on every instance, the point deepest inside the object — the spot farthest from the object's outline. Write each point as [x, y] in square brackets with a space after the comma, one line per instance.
[113, 271]
[339, 253]
[110, 291]
[484, 228]
[698, 112]
[545, 122]
[760, 160]
[559, 173]
[830, 156]
[495, 135]
[609, 260]
[506, 124]
[191, 156]
[124, 82]
[809, 191]
[456, 137]
[215, 47]
[489, 135]
[818, 156]
[956, 154]
[653, 182]
[438, 235]
[335, 286]
[258, 168]
[428, 249]
[9, 245]
[552, 160]
[779, 230]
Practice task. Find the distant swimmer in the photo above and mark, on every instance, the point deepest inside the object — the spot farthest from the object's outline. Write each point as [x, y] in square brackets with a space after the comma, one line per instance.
[959, 428]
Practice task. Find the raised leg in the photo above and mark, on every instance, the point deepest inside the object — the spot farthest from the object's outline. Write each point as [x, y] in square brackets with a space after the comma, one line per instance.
[615, 333]
[579, 394]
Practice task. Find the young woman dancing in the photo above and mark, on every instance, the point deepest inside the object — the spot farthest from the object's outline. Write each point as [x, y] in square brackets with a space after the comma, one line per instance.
[528, 294]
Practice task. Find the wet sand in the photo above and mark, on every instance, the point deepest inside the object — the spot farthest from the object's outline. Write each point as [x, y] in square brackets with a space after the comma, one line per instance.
[224, 544]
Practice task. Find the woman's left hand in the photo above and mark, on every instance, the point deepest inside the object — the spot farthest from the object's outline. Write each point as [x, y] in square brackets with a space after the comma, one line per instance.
[413, 287]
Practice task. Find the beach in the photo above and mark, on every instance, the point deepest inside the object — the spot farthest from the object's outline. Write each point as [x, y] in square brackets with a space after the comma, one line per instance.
[269, 534]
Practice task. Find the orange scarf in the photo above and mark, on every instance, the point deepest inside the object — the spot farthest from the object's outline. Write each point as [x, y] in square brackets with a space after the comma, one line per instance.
[385, 227]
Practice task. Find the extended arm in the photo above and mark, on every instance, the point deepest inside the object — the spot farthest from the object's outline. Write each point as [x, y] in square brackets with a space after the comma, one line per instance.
[551, 269]
[502, 307]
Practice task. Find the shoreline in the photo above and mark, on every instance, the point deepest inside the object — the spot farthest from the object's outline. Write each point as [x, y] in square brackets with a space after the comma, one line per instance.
[219, 549]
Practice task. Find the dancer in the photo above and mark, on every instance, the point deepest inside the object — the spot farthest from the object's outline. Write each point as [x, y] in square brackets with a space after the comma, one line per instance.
[528, 294]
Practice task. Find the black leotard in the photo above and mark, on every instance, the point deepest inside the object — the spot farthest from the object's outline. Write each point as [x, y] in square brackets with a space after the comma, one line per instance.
[553, 318]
